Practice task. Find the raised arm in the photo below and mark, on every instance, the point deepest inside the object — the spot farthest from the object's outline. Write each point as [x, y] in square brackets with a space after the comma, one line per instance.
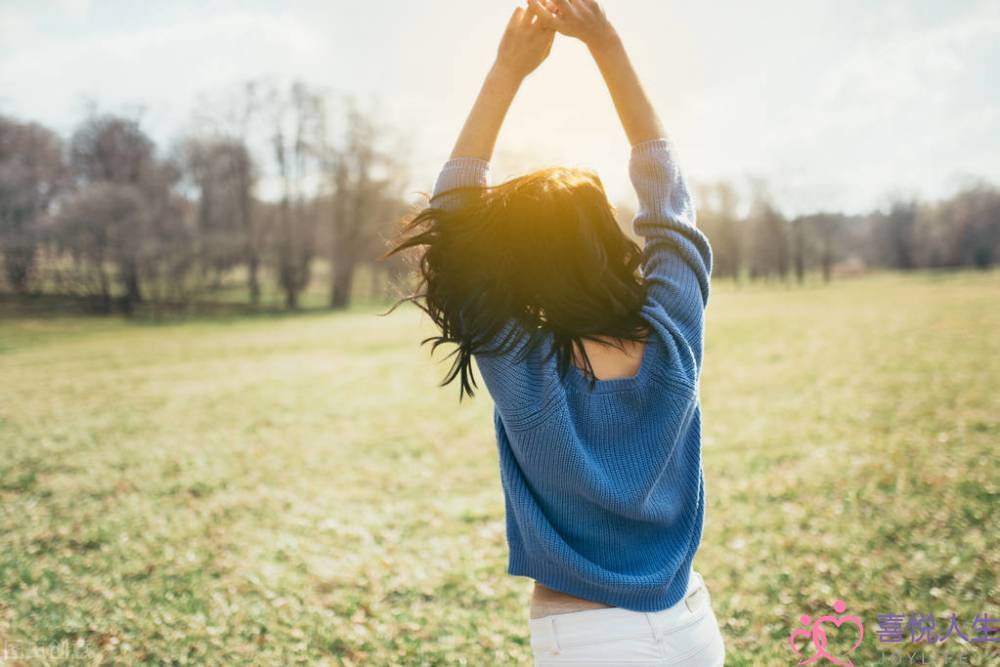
[677, 256]
[525, 44]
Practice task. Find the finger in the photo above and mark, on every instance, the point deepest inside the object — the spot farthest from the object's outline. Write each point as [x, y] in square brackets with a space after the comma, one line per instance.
[548, 19]
[537, 9]
[537, 23]
[516, 17]
[549, 38]
[588, 6]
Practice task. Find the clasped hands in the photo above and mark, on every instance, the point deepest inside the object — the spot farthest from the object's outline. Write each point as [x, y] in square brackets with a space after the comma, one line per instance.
[531, 30]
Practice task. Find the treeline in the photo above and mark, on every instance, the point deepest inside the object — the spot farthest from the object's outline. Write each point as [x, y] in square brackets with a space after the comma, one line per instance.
[762, 243]
[268, 182]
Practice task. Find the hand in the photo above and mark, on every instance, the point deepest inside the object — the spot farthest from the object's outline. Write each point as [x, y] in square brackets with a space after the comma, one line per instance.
[526, 42]
[583, 19]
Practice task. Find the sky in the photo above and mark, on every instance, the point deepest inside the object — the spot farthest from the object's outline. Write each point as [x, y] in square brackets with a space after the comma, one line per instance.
[835, 104]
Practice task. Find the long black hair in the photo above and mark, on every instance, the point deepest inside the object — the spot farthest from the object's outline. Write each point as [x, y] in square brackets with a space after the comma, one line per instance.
[542, 251]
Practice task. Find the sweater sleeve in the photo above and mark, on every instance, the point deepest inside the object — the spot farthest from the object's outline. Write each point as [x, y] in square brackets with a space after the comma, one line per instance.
[677, 256]
[457, 173]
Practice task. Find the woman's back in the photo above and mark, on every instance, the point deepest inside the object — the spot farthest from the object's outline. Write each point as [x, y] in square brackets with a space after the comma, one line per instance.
[602, 477]
[613, 360]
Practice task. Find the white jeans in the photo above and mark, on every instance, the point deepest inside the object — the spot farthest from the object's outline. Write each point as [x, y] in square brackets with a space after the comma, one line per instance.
[685, 635]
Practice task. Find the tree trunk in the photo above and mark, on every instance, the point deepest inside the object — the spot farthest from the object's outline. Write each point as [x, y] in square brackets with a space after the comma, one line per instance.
[104, 302]
[18, 262]
[291, 298]
[133, 295]
[246, 212]
[253, 282]
[343, 281]
[376, 285]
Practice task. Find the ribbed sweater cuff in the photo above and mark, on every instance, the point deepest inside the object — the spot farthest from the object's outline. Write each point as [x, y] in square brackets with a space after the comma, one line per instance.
[467, 163]
[652, 146]
[463, 171]
[457, 173]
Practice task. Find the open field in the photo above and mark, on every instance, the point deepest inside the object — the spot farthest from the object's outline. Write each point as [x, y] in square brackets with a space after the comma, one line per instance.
[296, 490]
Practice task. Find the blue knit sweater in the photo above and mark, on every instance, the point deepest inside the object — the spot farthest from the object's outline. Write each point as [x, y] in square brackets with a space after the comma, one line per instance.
[603, 486]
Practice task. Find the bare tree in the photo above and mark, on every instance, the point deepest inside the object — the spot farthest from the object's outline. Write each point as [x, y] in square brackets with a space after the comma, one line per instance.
[99, 225]
[298, 130]
[798, 234]
[230, 126]
[366, 197]
[120, 176]
[111, 148]
[221, 170]
[826, 231]
[32, 172]
[961, 231]
[717, 215]
[769, 252]
[114, 150]
[894, 234]
[167, 240]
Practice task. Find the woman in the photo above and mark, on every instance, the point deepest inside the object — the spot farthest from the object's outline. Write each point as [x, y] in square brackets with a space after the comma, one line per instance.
[592, 366]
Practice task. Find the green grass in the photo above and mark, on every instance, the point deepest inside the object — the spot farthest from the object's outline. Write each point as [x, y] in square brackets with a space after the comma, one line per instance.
[296, 490]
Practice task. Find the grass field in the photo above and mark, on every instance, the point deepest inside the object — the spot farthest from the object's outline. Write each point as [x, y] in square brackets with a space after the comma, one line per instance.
[296, 490]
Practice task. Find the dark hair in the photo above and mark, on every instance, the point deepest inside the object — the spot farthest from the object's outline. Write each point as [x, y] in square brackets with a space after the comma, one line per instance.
[543, 250]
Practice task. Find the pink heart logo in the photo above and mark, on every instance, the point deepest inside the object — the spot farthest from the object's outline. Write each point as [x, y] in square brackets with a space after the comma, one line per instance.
[837, 622]
[818, 635]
